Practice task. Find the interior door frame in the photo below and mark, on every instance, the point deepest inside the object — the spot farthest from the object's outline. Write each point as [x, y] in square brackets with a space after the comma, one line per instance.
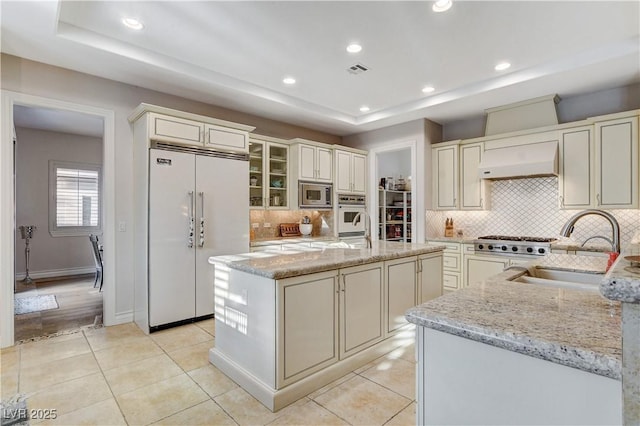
[418, 220]
[7, 204]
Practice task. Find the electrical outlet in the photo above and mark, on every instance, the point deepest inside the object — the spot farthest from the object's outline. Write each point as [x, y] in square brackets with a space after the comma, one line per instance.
[122, 226]
[255, 225]
[267, 225]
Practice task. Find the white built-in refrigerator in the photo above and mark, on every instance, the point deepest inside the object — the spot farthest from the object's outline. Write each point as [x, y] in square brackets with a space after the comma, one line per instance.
[197, 208]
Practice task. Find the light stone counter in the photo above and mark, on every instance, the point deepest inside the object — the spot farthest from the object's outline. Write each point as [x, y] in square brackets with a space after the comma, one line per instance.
[574, 328]
[623, 281]
[283, 264]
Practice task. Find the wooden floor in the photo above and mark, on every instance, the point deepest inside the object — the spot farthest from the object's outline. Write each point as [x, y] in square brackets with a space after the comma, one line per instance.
[79, 305]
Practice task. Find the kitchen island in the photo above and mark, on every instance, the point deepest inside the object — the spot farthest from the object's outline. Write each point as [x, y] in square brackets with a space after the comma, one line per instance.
[288, 323]
[507, 352]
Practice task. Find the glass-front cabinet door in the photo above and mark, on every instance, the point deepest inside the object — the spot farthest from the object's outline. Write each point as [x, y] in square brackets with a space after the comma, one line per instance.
[256, 174]
[268, 174]
[278, 176]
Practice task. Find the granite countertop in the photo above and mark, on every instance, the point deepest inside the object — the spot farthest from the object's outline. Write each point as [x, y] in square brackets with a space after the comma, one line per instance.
[462, 240]
[289, 240]
[284, 264]
[570, 245]
[579, 329]
[623, 280]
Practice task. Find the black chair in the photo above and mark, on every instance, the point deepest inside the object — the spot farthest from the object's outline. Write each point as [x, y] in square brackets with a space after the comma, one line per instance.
[97, 256]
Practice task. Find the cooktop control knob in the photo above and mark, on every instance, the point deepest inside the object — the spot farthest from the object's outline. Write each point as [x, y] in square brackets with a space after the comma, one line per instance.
[504, 248]
[541, 250]
[514, 248]
[480, 246]
[529, 250]
[490, 247]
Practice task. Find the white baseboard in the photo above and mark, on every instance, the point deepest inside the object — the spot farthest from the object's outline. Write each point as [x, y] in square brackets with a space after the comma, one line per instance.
[53, 273]
[122, 318]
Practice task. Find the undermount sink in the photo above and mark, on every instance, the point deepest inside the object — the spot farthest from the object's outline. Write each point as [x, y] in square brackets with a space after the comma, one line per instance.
[563, 279]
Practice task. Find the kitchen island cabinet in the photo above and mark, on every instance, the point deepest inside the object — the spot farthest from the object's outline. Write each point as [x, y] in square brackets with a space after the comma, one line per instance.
[289, 324]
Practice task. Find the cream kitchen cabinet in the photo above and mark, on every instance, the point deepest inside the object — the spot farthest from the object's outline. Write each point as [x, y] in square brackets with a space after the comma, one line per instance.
[451, 265]
[401, 276]
[312, 161]
[177, 127]
[268, 173]
[351, 171]
[361, 307]
[309, 331]
[445, 176]
[430, 272]
[478, 267]
[473, 189]
[616, 144]
[576, 180]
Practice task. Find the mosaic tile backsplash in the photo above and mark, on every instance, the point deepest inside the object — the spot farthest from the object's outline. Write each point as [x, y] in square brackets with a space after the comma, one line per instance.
[529, 207]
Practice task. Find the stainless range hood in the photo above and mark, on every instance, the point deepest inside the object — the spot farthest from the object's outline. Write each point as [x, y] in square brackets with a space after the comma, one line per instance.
[539, 159]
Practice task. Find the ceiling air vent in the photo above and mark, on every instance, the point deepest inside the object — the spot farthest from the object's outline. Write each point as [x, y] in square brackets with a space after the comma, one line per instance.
[357, 69]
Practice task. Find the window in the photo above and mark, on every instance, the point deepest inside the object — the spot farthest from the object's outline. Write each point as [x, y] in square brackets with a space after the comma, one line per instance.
[74, 199]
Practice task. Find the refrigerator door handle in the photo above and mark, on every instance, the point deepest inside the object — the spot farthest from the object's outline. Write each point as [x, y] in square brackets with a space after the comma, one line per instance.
[201, 218]
[191, 220]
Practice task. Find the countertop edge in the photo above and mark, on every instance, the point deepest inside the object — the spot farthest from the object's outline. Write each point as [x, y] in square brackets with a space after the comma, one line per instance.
[571, 357]
[622, 282]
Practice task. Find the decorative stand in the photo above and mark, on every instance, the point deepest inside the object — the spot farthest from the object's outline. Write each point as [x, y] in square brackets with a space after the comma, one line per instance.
[27, 234]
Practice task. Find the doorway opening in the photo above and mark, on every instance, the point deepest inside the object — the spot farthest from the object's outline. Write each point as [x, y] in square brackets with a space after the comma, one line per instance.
[9, 235]
[58, 204]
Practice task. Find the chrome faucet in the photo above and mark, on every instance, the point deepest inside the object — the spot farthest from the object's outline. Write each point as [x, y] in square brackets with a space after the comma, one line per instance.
[367, 226]
[568, 227]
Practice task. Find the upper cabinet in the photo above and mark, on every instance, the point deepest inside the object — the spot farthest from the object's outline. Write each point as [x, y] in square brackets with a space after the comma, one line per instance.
[599, 164]
[617, 163]
[268, 173]
[576, 168]
[178, 127]
[473, 189]
[312, 161]
[445, 176]
[351, 171]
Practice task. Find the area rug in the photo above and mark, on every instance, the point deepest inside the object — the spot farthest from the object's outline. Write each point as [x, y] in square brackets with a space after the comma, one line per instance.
[27, 305]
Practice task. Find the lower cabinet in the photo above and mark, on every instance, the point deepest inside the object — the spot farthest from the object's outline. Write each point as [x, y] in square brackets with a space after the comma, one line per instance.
[478, 268]
[325, 317]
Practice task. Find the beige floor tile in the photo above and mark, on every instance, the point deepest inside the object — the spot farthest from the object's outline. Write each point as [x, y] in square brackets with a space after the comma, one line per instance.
[8, 384]
[180, 337]
[212, 380]
[396, 374]
[405, 352]
[246, 410]
[104, 412]
[71, 395]
[141, 373]
[117, 356]
[36, 353]
[9, 360]
[159, 400]
[36, 377]
[309, 414]
[331, 385]
[406, 417]
[205, 414]
[116, 335]
[362, 402]
[208, 325]
[192, 357]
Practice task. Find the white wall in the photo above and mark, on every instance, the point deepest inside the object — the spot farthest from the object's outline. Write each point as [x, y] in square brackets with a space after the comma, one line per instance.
[33, 78]
[34, 149]
[394, 164]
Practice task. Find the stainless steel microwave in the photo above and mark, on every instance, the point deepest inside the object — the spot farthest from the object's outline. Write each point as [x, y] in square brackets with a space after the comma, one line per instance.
[313, 195]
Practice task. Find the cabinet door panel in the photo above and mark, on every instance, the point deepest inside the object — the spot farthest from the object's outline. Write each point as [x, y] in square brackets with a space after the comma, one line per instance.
[445, 180]
[478, 269]
[310, 325]
[226, 139]
[343, 171]
[325, 164]
[361, 308]
[576, 168]
[430, 277]
[307, 162]
[472, 186]
[401, 291]
[173, 129]
[359, 173]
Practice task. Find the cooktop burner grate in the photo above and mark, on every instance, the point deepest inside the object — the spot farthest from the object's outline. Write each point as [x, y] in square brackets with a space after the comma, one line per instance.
[512, 238]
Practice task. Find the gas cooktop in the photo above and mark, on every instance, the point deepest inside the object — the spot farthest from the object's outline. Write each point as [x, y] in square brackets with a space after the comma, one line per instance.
[510, 245]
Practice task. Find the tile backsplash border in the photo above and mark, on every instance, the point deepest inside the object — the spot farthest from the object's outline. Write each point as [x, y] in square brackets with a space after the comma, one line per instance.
[529, 207]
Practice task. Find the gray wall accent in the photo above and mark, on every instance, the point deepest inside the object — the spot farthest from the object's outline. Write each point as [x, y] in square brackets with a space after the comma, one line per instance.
[34, 149]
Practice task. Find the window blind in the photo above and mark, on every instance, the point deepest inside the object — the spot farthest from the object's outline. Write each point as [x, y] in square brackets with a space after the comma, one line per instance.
[77, 197]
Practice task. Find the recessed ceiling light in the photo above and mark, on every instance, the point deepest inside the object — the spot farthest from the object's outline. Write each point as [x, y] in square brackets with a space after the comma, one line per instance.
[442, 5]
[289, 80]
[502, 66]
[364, 108]
[428, 89]
[354, 48]
[132, 23]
